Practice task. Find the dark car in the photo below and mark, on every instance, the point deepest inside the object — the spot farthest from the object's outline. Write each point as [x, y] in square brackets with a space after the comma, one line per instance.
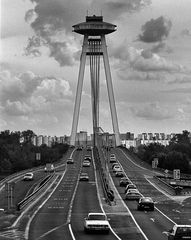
[124, 182]
[179, 232]
[145, 203]
[79, 148]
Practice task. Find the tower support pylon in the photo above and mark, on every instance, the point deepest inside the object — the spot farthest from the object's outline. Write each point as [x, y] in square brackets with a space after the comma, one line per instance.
[94, 45]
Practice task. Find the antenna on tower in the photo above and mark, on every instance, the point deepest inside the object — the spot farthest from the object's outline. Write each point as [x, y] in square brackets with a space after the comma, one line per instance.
[87, 12]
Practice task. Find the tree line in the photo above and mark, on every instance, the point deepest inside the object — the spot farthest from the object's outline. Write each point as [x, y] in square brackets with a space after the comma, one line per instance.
[176, 155]
[16, 155]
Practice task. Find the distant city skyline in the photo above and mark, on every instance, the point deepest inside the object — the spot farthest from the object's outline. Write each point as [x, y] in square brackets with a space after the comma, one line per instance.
[150, 57]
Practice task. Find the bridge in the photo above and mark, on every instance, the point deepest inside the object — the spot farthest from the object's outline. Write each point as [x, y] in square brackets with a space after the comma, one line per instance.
[54, 204]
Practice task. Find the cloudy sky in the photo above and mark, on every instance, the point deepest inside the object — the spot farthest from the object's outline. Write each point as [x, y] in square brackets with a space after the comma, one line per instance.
[150, 58]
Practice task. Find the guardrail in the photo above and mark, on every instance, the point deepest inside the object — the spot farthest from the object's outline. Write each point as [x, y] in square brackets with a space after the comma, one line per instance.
[108, 193]
[33, 195]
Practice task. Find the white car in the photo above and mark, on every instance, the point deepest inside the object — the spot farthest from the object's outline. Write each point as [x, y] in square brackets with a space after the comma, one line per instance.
[28, 176]
[133, 194]
[86, 163]
[96, 222]
[116, 168]
[87, 157]
[84, 177]
[112, 158]
[70, 161]
[179, 232]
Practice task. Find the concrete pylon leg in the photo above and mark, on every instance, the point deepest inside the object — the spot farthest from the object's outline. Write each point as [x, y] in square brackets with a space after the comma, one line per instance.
[79, 91]
[110, 91]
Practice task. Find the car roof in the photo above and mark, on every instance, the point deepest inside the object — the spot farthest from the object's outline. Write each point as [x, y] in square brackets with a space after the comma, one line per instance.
[97, 214]
[179, 225]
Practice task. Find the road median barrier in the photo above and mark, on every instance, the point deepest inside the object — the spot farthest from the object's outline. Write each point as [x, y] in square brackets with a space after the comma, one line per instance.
[108, 192]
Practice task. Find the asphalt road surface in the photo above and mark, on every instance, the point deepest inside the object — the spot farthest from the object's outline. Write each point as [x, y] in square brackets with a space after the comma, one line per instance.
[51, 221]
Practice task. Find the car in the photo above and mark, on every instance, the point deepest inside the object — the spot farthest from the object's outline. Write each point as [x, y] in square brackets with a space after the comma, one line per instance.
[79, 148]
[179, 232]
[49, 167]
[133, 194]
[86, 163]
[96, 222]
[70, 161]
[130, 186]
[115, 164]
[146, 203]
[28, 176]
[119, 173]
[89, 148]
[84, 177]
[87, 157]
[112, 158]
[124, 181]
[116, 168]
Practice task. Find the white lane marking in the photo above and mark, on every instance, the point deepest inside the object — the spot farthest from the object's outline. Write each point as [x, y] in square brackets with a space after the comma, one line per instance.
[71, 232]
[141, 231]
[71, 204]
[50, 231]
[132, 161]
[165, 195]
[34, 214]
[154, 186]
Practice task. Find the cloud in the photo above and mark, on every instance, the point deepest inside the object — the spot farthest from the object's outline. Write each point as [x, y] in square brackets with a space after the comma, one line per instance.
[30, 15]
[181, 80]
[52, 23]
[131, 75]
[125, 6]
[27, 93]
[185, 32]
[155, 30]
[144, 60]
[152, 111]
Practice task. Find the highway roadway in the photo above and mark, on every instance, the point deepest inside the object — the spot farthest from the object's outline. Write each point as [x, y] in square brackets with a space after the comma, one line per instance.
[168, 211]
[86, 200]
[61, 215]
[51, 221]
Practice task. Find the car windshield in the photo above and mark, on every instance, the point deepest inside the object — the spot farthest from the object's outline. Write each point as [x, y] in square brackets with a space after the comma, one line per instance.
[28, 174]
[147, 200]
[96, 217]
[184, 230]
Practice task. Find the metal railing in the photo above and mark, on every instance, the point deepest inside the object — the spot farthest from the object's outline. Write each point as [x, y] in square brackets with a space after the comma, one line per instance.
[33, 195]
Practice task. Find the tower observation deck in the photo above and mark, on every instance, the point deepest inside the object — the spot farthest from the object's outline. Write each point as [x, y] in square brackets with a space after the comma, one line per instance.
[94, 26]
[94, 45]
